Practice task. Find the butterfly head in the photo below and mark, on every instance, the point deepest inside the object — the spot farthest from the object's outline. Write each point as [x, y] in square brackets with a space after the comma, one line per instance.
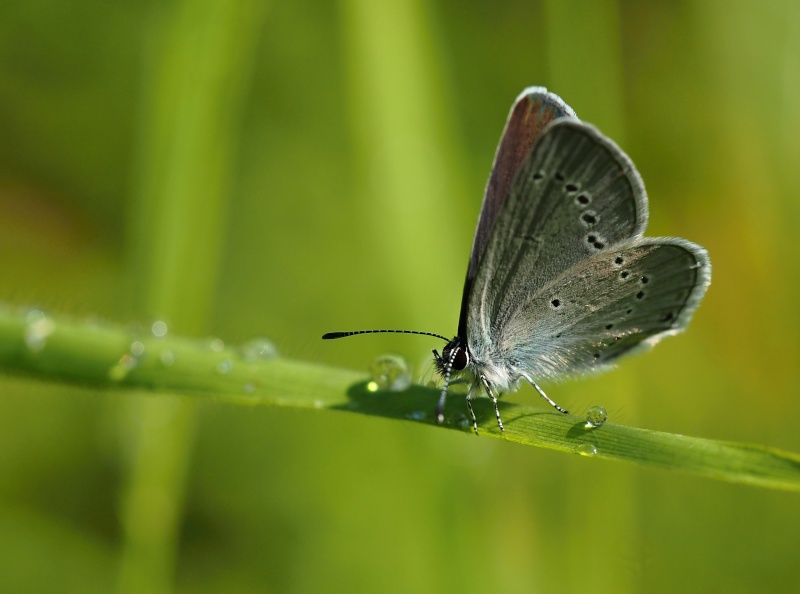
[455, 357]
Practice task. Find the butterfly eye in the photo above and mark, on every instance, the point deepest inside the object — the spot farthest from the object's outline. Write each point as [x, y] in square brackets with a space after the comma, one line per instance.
[454, 354]
[461, 359]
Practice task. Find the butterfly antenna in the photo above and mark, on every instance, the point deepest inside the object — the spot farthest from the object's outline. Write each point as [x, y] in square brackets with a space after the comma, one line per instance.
[332, 335]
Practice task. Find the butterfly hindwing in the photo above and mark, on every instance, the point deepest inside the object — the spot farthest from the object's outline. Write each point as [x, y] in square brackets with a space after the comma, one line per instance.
[616, 302]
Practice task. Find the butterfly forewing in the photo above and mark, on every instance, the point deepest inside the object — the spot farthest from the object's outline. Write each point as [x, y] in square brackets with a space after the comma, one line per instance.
[574, 196]
[531, 113]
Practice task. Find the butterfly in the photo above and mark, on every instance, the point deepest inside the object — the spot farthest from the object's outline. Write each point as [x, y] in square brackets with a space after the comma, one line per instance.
[561, 279]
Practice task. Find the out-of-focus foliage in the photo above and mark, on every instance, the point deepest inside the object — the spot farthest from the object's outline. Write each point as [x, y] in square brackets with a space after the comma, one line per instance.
[354, 164]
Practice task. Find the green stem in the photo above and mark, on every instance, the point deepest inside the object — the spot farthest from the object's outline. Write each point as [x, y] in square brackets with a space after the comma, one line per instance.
[196, 78]
[109, 357]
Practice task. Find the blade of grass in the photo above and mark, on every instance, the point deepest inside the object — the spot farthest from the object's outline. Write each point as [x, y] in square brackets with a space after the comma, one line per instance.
[109, 357]
[195, 80]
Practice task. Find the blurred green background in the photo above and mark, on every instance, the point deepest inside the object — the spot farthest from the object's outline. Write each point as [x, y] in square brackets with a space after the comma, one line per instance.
[284, 169]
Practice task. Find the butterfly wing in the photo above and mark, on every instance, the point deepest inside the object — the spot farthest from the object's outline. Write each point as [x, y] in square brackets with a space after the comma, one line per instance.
[533, 110]
[548, 283]
[613, 303]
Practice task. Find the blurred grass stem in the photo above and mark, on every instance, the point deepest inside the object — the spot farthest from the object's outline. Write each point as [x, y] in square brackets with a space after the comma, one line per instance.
[196, 73]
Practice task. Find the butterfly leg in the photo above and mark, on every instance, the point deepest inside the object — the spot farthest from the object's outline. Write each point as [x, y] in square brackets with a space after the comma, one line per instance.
[494, 401]
[440, 406]
[472, 412]
[545, 396]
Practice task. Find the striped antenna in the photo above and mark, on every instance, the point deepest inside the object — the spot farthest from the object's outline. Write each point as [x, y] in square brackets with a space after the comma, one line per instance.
[332, 335]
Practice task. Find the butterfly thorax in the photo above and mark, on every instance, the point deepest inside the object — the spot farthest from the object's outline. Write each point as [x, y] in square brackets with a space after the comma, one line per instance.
[496, 373]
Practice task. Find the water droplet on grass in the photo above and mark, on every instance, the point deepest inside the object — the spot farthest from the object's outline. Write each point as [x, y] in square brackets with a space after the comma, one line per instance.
[39, 327]
[159, 329]
[389, 373]
[595, 417]
[258, 349]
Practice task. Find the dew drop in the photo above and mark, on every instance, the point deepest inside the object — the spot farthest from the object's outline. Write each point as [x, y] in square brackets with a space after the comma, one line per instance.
[249, 388]
[217, 345]
[390, 373]
[595, 417]
[137, 348]
[463, 421]
[587, 449]
[38, 327]
[258, 349]
[224, 366]
[159, 329]
[417, 415]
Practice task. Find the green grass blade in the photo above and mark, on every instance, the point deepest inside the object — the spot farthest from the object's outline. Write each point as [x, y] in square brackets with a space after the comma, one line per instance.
[194, 85]
[109, 357]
